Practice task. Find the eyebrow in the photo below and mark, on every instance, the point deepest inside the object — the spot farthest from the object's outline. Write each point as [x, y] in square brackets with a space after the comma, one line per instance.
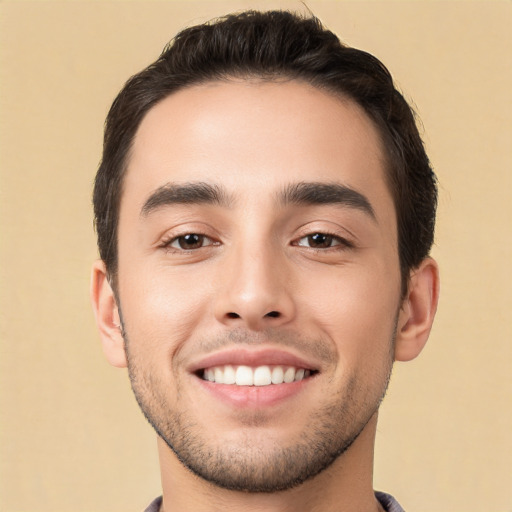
[186, 193]
[302, 193]
[318, 193]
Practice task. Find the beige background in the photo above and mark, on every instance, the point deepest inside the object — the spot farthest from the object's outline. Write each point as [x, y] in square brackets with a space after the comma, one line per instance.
[72, 438]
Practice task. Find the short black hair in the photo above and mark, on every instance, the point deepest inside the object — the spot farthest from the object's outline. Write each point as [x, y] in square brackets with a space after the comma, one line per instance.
[271, 45]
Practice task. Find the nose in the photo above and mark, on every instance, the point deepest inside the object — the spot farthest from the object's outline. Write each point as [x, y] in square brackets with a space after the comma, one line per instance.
[255, 290]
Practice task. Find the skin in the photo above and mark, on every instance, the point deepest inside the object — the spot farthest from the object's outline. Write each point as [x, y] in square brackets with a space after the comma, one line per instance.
[258, 283]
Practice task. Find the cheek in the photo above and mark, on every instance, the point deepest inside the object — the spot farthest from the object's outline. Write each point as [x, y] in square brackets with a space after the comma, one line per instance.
[161, 308]
[354, 309]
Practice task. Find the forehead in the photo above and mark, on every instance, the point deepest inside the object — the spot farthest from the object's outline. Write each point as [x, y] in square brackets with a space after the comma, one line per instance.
[255, 136]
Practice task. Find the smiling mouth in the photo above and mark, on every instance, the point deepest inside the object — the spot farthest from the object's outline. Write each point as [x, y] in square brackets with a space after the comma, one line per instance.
[255, 376]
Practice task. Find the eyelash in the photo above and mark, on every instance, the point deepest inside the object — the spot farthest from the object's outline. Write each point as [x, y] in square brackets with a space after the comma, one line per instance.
[340, 243]
[167, 243]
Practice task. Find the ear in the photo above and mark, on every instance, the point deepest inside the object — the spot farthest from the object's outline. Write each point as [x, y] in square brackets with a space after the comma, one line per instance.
[417, 311]
[107, 316]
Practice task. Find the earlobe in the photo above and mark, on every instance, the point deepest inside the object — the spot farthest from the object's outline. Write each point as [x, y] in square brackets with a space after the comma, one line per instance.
[418, 311]
[107, 316]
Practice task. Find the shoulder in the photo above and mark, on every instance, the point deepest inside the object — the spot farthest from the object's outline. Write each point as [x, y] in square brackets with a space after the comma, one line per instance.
[388, 502]
[154, 506]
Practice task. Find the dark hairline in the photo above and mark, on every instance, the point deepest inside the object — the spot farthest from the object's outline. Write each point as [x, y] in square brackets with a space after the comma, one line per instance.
[319, 59]
[280, 77]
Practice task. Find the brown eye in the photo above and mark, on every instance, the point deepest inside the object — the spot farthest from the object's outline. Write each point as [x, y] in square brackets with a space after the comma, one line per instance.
[322, 241]
[190, 241]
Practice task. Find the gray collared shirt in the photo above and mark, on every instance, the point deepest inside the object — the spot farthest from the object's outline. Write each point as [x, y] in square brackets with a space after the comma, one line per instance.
[386, 500]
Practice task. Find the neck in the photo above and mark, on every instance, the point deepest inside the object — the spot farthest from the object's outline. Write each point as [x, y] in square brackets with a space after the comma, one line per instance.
[345, 485]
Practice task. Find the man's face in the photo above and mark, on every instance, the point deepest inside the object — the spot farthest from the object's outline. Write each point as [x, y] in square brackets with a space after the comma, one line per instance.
[258, 243]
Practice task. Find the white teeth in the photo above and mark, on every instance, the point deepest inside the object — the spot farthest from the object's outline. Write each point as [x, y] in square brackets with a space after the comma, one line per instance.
[277, 375]
[262, 376]
[259, 376]
[218, 375]
[244, 376]
[229, 375]
[289, 375]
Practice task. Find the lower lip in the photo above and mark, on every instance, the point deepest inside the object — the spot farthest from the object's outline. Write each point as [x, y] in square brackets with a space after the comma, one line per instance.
[254, 396]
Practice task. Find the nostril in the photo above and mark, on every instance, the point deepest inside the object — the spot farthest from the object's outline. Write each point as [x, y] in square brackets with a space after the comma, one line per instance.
[233, 315]
[273, 314]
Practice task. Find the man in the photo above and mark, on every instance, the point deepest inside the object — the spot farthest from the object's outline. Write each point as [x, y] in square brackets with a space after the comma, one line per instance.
[265, 210]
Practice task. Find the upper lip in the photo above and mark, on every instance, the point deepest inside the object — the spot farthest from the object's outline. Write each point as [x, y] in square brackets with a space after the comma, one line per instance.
[260, 357]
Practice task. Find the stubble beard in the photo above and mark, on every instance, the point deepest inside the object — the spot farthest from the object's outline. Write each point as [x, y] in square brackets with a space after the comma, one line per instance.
[243, 465]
